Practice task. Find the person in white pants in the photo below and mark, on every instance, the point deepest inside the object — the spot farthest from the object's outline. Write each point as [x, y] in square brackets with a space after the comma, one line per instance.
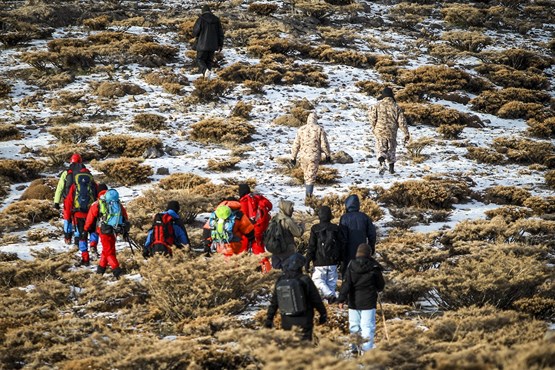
[325, 250]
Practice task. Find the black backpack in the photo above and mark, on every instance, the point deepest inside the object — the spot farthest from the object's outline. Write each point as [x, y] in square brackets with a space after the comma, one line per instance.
[291, 297]
[327, 247]
[85, 191]
[274, 238]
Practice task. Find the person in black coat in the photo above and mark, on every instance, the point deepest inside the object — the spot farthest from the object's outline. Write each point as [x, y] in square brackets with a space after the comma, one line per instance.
[362, 281]
[358, 228]
[210, 38]
[292, 269]
[325, 250]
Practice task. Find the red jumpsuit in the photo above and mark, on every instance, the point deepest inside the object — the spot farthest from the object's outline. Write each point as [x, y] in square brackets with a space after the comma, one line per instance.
[108, 256]
[257, 208]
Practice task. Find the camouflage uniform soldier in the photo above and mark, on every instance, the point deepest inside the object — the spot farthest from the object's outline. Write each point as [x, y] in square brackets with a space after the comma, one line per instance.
[386, 118]
[310, 142]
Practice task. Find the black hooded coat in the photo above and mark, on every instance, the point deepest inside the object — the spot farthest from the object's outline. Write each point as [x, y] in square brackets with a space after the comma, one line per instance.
[361, 283]
[316, 252]
[357, 227]
[209, 32]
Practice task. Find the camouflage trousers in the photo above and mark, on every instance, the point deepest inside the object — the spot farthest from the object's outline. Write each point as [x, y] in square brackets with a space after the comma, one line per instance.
[310, 170]
[386, 147]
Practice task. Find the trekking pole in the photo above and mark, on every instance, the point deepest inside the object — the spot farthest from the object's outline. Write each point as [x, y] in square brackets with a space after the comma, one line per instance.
[131, 242]
[383, 317]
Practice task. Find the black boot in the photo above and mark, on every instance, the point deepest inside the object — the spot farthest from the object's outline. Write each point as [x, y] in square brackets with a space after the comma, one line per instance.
[392, 168]
[117, 272]
[100, 270]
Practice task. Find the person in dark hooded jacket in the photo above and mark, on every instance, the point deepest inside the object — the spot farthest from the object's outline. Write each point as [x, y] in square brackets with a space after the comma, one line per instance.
[358, 228]
[210, 38]
[293, 269]
[362, 281]
[325, 250]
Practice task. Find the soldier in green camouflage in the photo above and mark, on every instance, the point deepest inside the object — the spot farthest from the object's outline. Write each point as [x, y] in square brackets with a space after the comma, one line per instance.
[386, 118]
[311, 141]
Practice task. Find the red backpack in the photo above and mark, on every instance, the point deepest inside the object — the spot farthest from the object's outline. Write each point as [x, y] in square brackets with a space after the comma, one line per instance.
[254, 211]
[162, 231]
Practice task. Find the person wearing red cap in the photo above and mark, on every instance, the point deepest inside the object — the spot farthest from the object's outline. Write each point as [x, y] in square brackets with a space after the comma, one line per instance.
[64, 183]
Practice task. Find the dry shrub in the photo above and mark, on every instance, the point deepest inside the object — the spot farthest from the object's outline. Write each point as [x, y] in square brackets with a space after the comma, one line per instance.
[541, 205]
[550, 178]
[414, 8]
[263, 9]
[518, 109]
[509, 213]
[371, 88]
[152, 54]
[337, 204]
[41, 235]
[347, 57]
[450, 132]
[507, 195]
[485, 155]
[40, 189]
[242, 72]
[128, 145]
[431, 193]
[72, 134]
[223, 165]
[471, 41]
[437, 115]
[464, 15]
[17, 170]
[326, 175]
[492, 101]
[288, 120]
[510, 77]
[149, 122]
[521, 59]
[118, 89]
[181, 181]
[411, 252]
[184, 289]
[220, 131]
[255, 87]
[124, 171]
[415, 148]
[526, 151]
[22, 214]
[210, 90]
[242, 110]
[544, 129]
[9, 132]
[60, 154]
[457, 286]
[405, 218]
[337, 37]
[165, 77]
[97, 23]
[539, 307]
[56, 80]
[5, 89]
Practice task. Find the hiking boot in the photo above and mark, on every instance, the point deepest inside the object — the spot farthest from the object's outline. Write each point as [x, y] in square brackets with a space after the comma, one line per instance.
[331, 299]
[83, 263]
[117, 272]
[100, 270]
[392, 168]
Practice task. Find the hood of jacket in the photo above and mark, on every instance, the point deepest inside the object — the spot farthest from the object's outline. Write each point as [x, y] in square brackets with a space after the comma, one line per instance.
[294, 263]
[324, 214]
[233, 204]
[286, 207]
[172, 213]
[352, 203]
[362, 265]
[209, 17]
[312, 119]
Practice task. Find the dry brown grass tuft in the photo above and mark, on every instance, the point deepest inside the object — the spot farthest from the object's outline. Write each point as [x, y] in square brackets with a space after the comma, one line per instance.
[428, 193]
[118, 89]
[72, 134]
[127, 145]
[97, 23]
[509, 77]
[492, 101]
[507, 195]
[437, 115]
[540, 205]
[149, 122]
[544, 129]
[223, 165]
[40, 189]
[124, 171]
[471, 41]
[5, 89]
[60, 154]
[210, 90]
[485, 155]
[371, 88]
[550, 178]
[222, 131]
[526, 151]
[415, 148]
[17, 170]
[180, 181]
[450, 132]
[263, 9]
[22, 214]
[337, 204]
[242, 110]
[326, 175]
[9, 132]
[509, 213]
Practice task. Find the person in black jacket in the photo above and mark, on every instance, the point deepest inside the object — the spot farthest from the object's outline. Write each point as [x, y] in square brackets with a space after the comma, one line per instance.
[358, 228]
[292, 269]
[362, 281]
[210, 38]
[325, 249]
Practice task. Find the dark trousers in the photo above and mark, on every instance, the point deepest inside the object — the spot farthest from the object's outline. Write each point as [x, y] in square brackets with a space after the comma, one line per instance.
[205, 60]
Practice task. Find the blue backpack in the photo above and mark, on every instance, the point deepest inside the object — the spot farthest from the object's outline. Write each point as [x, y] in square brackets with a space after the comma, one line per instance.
[110, 210]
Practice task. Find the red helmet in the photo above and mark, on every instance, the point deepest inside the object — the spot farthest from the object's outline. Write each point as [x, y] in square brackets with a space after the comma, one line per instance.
[76, 158]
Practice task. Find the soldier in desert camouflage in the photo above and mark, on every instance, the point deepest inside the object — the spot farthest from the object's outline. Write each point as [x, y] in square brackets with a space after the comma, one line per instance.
[311, 141]
[386, 118]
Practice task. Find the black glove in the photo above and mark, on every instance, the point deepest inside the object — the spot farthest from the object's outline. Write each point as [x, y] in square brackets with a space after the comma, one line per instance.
[126, 235]
[268, 324]
[126, 226]
[328, 159]
[146, 253]
[323, 319]
[57, 205]
[293, 162]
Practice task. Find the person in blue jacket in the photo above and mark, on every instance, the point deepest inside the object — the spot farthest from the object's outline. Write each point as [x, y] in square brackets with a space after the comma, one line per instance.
[167, 230]
[357, 228]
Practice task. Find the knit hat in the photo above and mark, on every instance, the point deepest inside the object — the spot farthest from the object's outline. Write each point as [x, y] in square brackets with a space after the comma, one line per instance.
[387, 93]
[102, 187]
[364, 250]
[173, 205]
[244, 189]
[205, 8]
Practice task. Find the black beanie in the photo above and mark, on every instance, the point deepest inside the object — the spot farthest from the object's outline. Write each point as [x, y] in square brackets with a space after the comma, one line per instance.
[173, 205]
[387, 93]
[102, 187]
[244, 189]
[205, 8]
